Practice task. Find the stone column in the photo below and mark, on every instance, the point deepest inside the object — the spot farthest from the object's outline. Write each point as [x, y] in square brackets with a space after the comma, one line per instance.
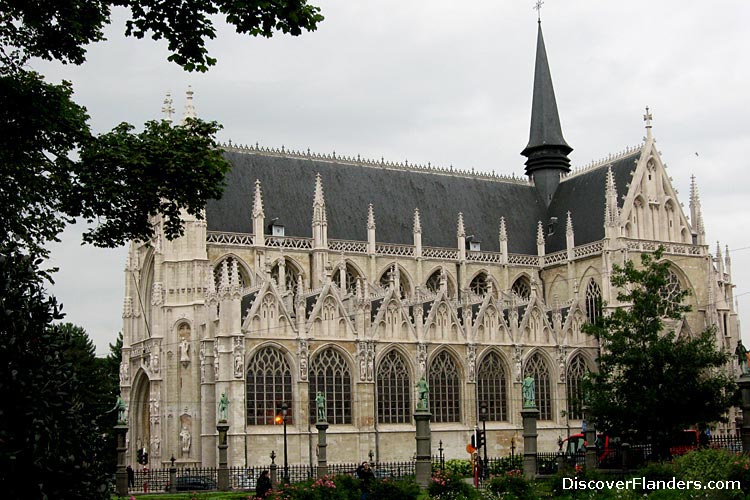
[121, 475]
[744, 383]
[322, 448]
[423, 467]
[529, 416]
[223, 427]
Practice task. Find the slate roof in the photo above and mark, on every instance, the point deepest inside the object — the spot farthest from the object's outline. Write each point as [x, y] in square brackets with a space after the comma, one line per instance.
[288, 184]
[583, 195]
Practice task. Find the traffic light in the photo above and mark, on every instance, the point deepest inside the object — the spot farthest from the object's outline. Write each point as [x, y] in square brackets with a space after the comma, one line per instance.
[473, 441]
[145, 458]
[480, 439]
[139, 456]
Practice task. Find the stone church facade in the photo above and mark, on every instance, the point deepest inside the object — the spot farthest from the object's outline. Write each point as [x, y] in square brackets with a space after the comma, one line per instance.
[356, 278]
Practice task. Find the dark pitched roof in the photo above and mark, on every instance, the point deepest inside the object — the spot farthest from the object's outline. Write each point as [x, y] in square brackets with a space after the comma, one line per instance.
[545, 122]
[583, 195]
[288, 183]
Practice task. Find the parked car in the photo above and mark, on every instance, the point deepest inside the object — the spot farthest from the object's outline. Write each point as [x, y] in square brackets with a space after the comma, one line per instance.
[686, 441]
[195, 483]
[244, 480]
[575, 446]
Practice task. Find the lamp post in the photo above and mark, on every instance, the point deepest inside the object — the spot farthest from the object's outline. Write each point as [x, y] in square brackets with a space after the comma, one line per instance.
[284, 410]
[483, 412]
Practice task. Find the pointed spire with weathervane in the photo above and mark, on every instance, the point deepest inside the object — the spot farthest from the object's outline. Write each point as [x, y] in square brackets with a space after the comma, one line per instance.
[696, 214]
[547, 152]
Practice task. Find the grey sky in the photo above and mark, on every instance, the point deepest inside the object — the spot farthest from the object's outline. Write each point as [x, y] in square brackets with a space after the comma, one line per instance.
[450, 83]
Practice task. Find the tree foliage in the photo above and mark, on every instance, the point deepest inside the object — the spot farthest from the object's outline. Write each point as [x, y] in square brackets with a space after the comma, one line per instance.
[61, 29]
[651, 383]
[55, 396]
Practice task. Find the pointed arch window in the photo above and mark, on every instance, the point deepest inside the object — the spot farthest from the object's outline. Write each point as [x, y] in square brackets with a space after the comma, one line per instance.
[394, 390]
[433, 284]
[218, 270]
[521, 288]
[403, 281]
[349, 279]
[577, 372]
[479, 284]
[671, 292]
[268, 383]
[593, 302]
[291, 275]
[492, 387]
[330, 374]
[445, 396]
[537, 369]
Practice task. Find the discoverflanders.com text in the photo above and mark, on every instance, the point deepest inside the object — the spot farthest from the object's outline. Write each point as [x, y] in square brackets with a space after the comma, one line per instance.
[642, 483]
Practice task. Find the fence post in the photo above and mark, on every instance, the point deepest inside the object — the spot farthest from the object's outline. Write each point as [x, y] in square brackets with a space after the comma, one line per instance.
[625, 447]
[274, 477]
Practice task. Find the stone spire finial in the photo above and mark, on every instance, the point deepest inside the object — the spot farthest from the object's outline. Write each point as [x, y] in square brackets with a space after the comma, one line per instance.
[319, 202]
[503, 230]
[647, 117]
[569, 225]
[417, 228]
[569, 235]
[258, 201]
[696, 213]
[168, 109]
[224, 283]
[189, 106]
[210, 283]
[540, 233]
[370, 217]
[611, 209]
[234, 278]
[461, 231]
[727, 262]
[719, 261]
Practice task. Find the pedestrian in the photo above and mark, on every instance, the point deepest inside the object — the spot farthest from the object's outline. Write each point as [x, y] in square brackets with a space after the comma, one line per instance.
[263, 486]
[131, 476]
[365, 475]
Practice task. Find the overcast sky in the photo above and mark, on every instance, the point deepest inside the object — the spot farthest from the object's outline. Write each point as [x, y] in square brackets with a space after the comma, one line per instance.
[450, 83]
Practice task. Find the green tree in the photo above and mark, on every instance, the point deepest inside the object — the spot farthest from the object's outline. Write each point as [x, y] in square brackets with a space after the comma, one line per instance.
[53, 416]
[651, 383]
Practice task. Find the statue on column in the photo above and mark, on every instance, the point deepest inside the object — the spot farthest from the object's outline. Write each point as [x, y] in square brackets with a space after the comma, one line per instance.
[527, 390]
[223, 407]
[423, 394]
[122, 411]
[743, 358]
[320, 405]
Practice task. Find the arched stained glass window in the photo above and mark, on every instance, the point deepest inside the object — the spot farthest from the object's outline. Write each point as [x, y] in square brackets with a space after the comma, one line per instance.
[593, 302]
[445, 396]
[537, 369]
[394, 390]
[350, 279]
[330, 374]
[577, 372]
[244, 280]
[521, 288]
[403, 281]
[492, 387]
[268, 384]
[479, 284]
[290, 275]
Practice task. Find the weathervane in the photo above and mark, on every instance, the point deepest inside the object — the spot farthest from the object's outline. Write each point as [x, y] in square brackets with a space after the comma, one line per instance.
[538, 8]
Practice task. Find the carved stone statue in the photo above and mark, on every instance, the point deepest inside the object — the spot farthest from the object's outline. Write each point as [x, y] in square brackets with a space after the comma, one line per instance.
[185, 439]
[423, 394]
[223, 407]
[184, 350]
[320, 405]
[528, 392]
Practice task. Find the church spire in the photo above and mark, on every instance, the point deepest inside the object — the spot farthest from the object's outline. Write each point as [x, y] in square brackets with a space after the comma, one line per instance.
[547, 151]
[189, 106]
[696, 215]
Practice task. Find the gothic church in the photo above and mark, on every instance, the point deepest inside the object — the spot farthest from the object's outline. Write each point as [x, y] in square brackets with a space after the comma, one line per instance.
[355, 278]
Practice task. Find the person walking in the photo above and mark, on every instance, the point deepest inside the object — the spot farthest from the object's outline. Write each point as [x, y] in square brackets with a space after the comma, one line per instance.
[263, 486]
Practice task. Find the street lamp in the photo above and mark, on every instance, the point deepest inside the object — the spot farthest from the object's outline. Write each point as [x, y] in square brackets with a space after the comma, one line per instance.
[281, 419]
[483, 412]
